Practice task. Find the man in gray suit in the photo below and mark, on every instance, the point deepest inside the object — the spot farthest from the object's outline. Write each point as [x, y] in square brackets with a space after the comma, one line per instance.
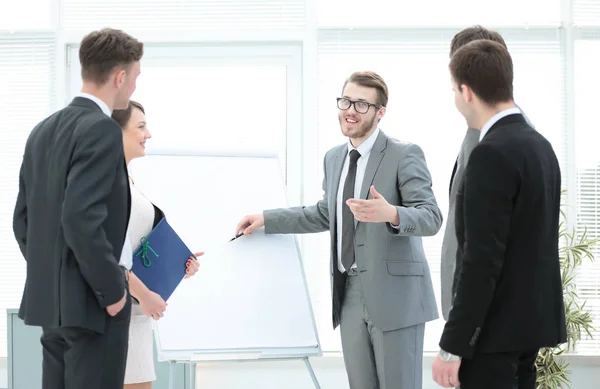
[378, 202]
[471, 139]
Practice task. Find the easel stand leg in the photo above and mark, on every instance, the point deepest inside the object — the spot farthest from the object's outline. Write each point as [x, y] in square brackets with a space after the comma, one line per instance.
[171, 375]
[312, 373]
[192, 375]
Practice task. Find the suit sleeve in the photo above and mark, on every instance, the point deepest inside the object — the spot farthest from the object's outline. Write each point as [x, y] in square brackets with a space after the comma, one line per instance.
[97, 155]
[299, 220]
[491, 183]
[419, 213]
[20, 214]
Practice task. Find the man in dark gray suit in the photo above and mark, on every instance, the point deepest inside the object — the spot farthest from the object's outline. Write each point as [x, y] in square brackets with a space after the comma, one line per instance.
[70, 222]
[471, 139]
[378, 203]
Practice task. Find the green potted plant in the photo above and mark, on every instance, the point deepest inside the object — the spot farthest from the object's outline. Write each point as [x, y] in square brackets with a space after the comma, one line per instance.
[553, 372]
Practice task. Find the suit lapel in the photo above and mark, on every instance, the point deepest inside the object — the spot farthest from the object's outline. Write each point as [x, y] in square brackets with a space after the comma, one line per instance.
[377, 153]
[338, 164]
[452, 176]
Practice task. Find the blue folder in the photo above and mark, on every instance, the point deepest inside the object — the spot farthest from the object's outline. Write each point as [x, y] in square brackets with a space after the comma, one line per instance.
[160, 260]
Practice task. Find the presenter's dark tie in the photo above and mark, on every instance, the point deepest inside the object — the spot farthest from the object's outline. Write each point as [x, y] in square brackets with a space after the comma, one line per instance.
[347, 215]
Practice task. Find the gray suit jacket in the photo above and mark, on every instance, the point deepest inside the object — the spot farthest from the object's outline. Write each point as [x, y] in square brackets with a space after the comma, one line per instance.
[449, 244]
[392, 266]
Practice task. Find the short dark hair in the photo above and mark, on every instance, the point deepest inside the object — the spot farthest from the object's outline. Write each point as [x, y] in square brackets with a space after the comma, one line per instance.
[370, 80]
[122, 116]
[103, 50]
[474, 33]
[487, 68]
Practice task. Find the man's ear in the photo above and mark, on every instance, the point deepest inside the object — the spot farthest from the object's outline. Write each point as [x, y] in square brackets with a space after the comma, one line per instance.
[467, 93]
[120, 77]
[381, 113]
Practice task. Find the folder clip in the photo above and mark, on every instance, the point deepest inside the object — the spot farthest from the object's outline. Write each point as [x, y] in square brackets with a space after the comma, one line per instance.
[145, 246]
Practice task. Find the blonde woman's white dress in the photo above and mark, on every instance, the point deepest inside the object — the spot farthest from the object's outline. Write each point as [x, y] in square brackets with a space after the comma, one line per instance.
[140, 356]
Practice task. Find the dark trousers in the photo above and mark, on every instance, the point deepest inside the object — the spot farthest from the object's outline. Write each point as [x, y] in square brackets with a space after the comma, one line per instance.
[77, 358]
[512, 370]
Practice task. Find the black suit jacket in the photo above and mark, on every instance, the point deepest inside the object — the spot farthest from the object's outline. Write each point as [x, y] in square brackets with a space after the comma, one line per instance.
[71, 217]
[508, 289]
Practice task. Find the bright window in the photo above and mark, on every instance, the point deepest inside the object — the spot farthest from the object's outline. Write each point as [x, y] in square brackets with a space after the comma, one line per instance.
[259, 93]
[184, 14]
[378, 13]
[217, 98]
[587, 83]
[27, 15]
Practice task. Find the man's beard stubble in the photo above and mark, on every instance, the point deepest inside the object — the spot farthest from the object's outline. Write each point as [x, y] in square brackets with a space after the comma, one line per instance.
[362, 130]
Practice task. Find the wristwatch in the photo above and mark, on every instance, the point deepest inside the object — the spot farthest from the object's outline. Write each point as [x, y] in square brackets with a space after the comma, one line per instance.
[447, 357]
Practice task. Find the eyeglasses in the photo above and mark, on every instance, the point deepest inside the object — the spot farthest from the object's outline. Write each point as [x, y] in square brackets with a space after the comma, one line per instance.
[359, 106]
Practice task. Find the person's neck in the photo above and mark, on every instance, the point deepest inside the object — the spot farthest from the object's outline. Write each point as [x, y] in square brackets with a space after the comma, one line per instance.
[356, 142]
[488, 112]
[100, 93]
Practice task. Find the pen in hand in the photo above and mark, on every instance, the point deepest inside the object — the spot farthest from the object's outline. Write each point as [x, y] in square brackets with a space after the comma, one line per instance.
[237, 236]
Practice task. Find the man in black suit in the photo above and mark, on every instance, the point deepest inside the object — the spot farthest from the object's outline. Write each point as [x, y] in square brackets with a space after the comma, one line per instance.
[509, 301]
[71, 219]
[470, 140]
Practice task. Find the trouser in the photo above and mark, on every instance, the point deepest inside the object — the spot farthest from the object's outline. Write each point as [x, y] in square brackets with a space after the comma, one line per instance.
[377, 359]
[78, 358]
[510, 370]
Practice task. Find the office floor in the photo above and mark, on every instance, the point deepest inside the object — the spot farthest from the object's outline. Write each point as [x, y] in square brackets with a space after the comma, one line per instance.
[329, 370]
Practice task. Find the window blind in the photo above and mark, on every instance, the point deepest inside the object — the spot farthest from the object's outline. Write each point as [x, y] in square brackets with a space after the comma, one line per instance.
[586, 13]
[588, 277]
[183, 14]
[414, 64]
[26, 97]
[379, 13]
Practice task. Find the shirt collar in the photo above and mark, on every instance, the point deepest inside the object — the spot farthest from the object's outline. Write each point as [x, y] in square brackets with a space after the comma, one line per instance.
[495, 118]
[103, 106]
[366, 146]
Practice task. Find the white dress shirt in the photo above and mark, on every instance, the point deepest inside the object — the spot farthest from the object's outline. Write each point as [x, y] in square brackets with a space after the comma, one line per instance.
[103, 106]
[361, 165]
[495, 118]
[141, 220]
[126, 259]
